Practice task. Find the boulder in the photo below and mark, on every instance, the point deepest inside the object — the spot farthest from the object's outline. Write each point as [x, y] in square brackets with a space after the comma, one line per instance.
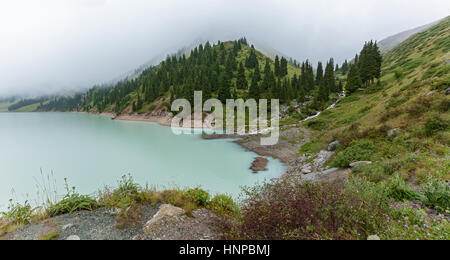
[259, 164]
[362, 163]
[333, 146]
[165, 211]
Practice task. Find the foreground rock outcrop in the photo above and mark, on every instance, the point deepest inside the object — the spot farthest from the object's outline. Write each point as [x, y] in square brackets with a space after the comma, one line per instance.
[167, 222]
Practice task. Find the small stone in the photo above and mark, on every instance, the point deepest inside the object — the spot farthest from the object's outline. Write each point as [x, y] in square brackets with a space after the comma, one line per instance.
[447, 62]
[431, 92]
[333, 146]
[374, 237]
[392, 132]
[73, 237]
[68, 226]
[362, 163]
[447, 91]
[307, 169]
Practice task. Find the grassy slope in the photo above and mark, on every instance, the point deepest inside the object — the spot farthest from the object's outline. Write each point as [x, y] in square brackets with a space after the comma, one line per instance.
[29, 108]
[402, 100]
[4, 106]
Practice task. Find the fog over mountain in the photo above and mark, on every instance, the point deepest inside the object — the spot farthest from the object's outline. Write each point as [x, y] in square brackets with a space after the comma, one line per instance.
[50, 46]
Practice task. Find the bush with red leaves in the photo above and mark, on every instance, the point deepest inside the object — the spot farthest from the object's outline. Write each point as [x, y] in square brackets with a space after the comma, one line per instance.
[291, 210]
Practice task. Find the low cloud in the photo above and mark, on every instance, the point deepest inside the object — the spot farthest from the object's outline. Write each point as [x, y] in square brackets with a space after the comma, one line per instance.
[56, 45]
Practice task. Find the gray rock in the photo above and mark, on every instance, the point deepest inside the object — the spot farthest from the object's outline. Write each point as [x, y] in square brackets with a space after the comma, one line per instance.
[392, 132]
[447, 62]
[447, 91]
[165, 211]
[373, 238]
[330, 171]
[322, 158]
[306, 169]
[354, 164]
[431, 92]
[332, 146]
[73, 237]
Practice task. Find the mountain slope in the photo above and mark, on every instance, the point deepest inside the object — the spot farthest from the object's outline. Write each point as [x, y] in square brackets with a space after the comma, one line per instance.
[393, 41]
[401, 123]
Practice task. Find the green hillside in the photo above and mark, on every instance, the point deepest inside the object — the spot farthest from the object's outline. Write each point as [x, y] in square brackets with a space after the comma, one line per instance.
[402, 123]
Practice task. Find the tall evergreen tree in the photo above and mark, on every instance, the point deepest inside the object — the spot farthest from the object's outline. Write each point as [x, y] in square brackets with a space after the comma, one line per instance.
[241, 82]
[283, 67]
[224, 92]
[254, 88]
[319, 73]
[353, 80]
[277, 66]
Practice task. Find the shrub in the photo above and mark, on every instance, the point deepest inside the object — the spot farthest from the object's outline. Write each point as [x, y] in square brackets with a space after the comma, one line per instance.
[223, 205]
[373, 172]
[309, 148]
[398, 190]
[19, 214]
[71, 202]
[434, 125]
[290, 209]
[398, 74]
[317, 124]
[198, 196]
[359, 151]
[127, 194]
[437, 195]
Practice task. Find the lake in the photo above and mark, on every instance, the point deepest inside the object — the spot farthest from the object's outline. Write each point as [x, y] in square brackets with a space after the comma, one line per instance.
[94, 151]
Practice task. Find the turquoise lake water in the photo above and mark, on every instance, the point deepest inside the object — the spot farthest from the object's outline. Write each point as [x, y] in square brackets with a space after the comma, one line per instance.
[94, 151]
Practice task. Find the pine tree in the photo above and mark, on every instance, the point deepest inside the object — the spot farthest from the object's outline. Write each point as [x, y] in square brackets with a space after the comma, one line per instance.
[277, 66]
[319, 73]
[241, 82]
[257, 73]
[353, 80]
[254, 88]
[224, 88]
[283, 67]
[329, 78]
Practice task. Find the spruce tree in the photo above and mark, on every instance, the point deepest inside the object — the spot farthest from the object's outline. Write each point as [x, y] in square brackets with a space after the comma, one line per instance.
[254, 88]
[224, 92]
[283, 67]
[241, 82]
[277, 66]
[353, 80]
[319, 73]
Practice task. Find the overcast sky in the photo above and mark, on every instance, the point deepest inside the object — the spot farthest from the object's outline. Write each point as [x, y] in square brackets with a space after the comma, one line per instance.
[51, 45]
